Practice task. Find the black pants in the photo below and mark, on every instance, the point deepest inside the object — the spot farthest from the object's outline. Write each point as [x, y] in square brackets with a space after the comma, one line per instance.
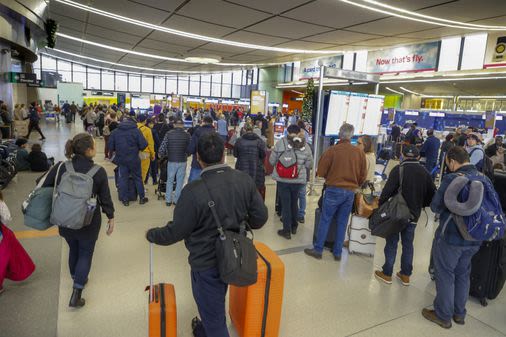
[289, 196]
[80, 256]
[153, 171]
[209, 293]
[34, 125]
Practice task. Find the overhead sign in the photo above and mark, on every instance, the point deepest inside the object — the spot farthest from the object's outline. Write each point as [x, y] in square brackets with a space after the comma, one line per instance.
[490, 118]
[258, 101]
[351, 75]
[413, 58]
[495, 55]
[13, 77]
[311, 68]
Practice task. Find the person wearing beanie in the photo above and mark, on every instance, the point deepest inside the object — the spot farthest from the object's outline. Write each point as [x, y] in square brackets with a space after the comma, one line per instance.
[22, 163]
[417, 188]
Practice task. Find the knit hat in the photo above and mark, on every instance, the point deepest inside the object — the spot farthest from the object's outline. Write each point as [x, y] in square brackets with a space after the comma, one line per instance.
[410, 151]
[142, 118]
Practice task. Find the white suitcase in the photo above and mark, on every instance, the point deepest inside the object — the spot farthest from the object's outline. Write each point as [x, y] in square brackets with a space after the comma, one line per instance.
[361, 240]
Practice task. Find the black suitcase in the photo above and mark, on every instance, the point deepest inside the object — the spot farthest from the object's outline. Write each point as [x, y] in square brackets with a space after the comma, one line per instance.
[331, 234]
[488, 271]
[500, 186]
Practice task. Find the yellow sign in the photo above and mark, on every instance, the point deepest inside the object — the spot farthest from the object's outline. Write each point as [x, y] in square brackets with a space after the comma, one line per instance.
[258, 101]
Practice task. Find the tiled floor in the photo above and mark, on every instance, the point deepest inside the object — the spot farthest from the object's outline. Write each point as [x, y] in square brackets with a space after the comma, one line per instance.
[322, 298]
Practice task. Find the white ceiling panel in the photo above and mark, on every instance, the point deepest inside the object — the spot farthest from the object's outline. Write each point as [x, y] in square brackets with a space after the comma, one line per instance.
[434, 33]
[117, 25]
[332, 13]
[139, 61]
[196, 26]
[305, 45]
[174, 40]
[163, 46]
[164, 5]
[339, 37]
[254, 38]
[68, 22]
[467, 10]
[72, 12]
[496, 21]
[392, 26]
[130, 9]
[413, 4]
[122, 38]
[271, 6]
[162, 52]
[236, 16]
[219, 49]
[286, 28]
[383, 41]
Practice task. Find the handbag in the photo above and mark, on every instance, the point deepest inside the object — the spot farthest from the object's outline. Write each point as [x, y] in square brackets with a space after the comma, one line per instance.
[391, 217]
[365, 204]
[235, 252]
[38, 205]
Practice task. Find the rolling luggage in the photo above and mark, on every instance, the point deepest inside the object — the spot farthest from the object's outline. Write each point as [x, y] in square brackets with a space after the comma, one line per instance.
[361, 240]
[132, 190]
[162, 306]
[331, 234]
[255, 311]
[488, 271]
[500, 187]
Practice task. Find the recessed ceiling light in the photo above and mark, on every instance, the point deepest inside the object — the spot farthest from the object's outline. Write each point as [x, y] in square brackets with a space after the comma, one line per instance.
[145, 24]
[202, 59]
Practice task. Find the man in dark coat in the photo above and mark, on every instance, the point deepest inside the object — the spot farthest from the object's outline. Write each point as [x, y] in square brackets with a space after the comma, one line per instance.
[250, 153]
[127, 141]
[207, 127]
[236, 199]
[430, 150]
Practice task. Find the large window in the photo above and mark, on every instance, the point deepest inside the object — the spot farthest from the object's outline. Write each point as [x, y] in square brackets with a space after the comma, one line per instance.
[182, 85]
[195, 85]
[94, 79]
[159, 85]
[147, 84]
[237, 77]
[171, 85]
[107, 80]
[121, 82]
[134, 83]
[48, 63]
[216, 85]
[205, 85]
[79, 74]
[64, 69]
[227, 85]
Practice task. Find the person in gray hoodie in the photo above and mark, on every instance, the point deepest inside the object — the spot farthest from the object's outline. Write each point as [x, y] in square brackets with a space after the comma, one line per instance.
[289, 187]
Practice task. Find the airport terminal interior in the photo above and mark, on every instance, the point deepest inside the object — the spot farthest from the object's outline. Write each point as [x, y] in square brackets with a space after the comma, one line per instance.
[402, 74]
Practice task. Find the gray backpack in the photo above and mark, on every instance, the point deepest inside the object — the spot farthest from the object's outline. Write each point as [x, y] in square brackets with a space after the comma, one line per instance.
[73, 201]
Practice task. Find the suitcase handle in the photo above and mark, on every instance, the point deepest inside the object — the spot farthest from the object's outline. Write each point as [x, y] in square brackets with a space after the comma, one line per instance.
[151, 272]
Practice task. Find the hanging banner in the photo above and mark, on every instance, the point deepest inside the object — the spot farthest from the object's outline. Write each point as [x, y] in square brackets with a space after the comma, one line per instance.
[413, 58]
[258, 101]
[495, 55]
[311, 69]
[490, 117]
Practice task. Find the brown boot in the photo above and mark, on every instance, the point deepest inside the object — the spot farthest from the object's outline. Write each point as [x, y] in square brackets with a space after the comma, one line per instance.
[431, 316]
[382, 277]
[403, 278]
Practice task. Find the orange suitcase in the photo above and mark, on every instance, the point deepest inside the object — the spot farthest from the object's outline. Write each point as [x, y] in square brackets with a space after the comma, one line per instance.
[255, 311]
[162, 306]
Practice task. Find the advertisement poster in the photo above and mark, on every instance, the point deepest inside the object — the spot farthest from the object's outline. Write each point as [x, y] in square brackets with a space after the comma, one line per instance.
[495, 55]
[337, 113]
[414, 58]
[311, 69]
[490, 119]
[258, 101]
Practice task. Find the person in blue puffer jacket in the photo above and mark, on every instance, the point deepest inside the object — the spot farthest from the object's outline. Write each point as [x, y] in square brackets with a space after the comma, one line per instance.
[127, 141]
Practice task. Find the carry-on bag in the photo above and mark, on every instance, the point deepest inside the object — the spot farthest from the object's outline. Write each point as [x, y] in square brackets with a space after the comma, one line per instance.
[331, 234]
[488, 271]
[365, 203]
[361, 240]
[255, 311]
[132, 190]
[162, 305]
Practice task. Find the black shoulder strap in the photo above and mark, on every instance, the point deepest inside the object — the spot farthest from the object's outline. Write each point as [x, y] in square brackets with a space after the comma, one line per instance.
[211, 204]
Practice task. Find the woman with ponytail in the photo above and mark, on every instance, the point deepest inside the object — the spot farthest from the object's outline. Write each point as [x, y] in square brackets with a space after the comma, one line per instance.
[80, 151]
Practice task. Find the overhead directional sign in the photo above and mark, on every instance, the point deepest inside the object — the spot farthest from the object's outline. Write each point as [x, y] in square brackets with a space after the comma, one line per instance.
[351, 75]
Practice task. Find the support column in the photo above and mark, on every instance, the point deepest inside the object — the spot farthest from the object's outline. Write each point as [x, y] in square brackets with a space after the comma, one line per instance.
[317, 133]
[6, 91]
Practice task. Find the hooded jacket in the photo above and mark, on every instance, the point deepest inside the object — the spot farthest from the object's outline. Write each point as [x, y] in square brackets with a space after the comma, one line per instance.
[126, 140]
[304, 159]
[250, 153]
[147, 133]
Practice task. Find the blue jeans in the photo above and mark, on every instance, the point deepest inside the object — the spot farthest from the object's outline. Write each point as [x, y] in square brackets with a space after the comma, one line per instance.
[80, 256]
[125, 171]
[452, 270]
[430, 165]
[288, 195]
[194, 174]
[302, 202]
[175, 171]
[209, 293]
[337, 202]
[407, 237]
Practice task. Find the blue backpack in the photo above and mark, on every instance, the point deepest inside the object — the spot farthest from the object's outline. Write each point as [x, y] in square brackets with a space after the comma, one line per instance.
[476, 209]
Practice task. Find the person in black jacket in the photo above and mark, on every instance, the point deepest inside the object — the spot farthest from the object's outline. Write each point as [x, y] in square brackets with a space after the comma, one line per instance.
[237, 199]
[38, 159]
[207, 127]
[81, 150]
[250, 153]
[174, 147]
[161, 127]
[491, 150]
[34, 122]
[417, 189]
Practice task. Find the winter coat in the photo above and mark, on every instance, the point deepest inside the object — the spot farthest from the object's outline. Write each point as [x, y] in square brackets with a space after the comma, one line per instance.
[126, 140]
[174, 146]
[192, 148]
[250, 153]
[304, 161]
[148, 135]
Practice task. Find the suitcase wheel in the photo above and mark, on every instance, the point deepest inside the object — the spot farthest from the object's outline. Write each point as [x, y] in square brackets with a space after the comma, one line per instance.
[483, 302]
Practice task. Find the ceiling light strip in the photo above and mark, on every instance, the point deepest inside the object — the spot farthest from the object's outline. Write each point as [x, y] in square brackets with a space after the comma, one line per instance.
[401, 10]
[191, 35]
[411, 92]
[415, 19]
[395, 91]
